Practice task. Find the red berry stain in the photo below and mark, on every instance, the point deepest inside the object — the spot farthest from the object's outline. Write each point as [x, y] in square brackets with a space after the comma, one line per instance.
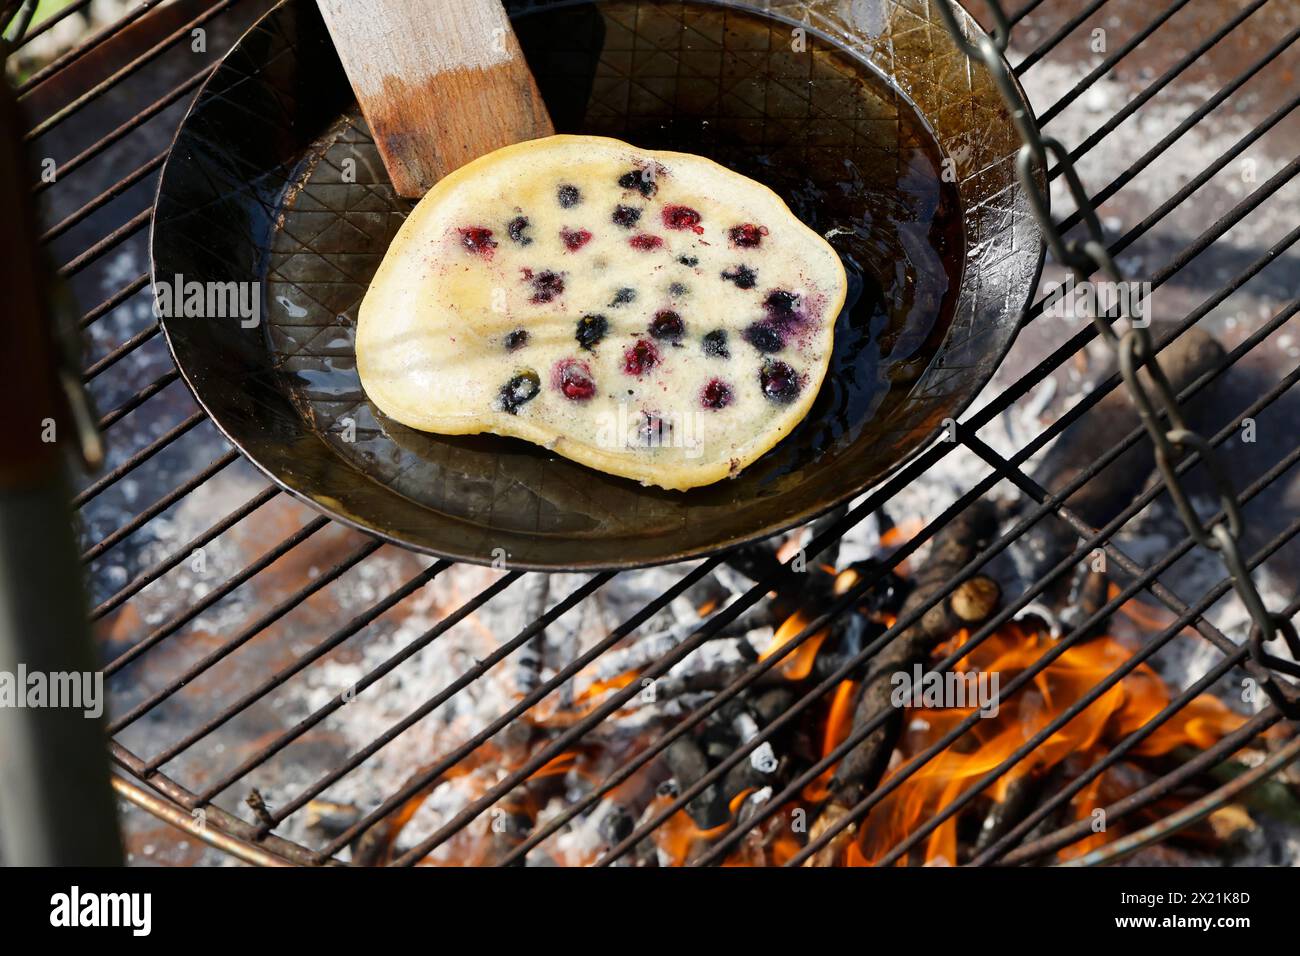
[575, 239]
[682, 217]
[645, 242]
[573, 380]
[717, 394]
[640, 358]
[478, 240]
[747, 235]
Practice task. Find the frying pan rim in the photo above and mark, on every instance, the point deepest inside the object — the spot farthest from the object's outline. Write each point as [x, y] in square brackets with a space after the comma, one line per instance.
[693, 553]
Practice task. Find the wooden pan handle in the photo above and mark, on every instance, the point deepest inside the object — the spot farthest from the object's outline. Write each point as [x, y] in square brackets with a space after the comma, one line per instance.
[440, 83]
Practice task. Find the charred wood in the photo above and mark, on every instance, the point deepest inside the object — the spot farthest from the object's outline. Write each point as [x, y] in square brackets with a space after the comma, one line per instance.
[952, 548]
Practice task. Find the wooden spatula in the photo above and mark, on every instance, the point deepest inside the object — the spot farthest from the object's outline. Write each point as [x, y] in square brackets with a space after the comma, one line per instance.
[440, 83]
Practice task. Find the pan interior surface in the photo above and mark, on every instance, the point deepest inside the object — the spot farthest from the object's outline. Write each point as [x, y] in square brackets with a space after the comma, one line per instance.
[934, 290]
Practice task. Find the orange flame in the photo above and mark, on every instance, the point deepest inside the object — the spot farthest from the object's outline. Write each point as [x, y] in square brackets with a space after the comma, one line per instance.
[1118, 712]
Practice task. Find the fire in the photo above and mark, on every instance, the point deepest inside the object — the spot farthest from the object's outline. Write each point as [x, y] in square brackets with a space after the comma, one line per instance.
[1010, 650]
[838, 726]
[798, 664]
[1118, 712]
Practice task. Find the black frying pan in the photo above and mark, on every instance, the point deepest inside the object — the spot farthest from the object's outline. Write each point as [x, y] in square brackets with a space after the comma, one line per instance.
[273, 179]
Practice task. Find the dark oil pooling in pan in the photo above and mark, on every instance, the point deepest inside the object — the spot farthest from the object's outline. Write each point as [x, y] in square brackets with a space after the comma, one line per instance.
[846, 152]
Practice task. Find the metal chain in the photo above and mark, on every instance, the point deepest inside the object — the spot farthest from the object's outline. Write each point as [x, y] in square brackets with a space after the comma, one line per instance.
[1134, 349]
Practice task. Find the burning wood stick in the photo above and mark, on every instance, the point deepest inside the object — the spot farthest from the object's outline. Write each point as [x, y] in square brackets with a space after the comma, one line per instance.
[863, 766]
[1023, 794]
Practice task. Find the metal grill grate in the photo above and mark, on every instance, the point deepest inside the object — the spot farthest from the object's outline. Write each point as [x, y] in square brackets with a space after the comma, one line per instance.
[128, 86]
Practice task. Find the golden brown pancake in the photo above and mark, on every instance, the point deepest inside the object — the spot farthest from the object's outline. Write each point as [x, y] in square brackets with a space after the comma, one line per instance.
[649, 314]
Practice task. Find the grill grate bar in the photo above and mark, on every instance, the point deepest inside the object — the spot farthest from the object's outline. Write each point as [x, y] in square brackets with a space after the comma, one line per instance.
[1106, 65]
[121, 233]
[165, 630]
[1124, 178]
[1211, 235]
[98, 90]
[360, 621]
[579, 594]
[138, 399]
[1133, 105]
[121, 351]
[1055, 39]
[113, 301]
[74, 6]
[1023, 12]
[157, 508]
[77, 52]
[417, 645]
[247, 634]
[128, 127]
[119, 187]
[139, 458]
[145, 578]
[212, 816]
[1094, 694]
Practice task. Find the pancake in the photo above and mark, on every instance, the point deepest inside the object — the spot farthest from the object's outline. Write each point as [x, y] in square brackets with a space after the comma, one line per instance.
[652, 315]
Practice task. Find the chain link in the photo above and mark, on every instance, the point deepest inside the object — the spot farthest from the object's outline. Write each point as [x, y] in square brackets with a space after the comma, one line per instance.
[1146, 381]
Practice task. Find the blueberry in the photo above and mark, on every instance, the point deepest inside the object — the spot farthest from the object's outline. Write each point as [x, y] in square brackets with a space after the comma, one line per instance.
[715, 344]
[573, 379]
[626, 216]
[781, 303]
[667, 325]
[546, 286]
[516, 340]
[478, 240]
[743, 276]
[682, 217]
[622, 297]
[591, 329]
[574, 239]
[764, 337]
[516, 229]
[568, 196]
[677, 290]
[780, 383]
[690, 261]
[521, 389]
[642, 180]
